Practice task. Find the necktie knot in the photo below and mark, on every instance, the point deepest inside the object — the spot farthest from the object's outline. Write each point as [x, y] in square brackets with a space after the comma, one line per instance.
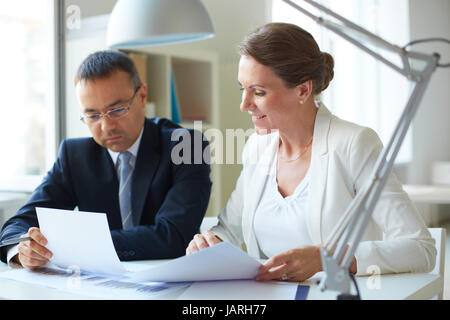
[125, 159]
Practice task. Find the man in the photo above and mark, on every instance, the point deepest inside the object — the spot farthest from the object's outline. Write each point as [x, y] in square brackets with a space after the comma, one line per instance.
[153, 206]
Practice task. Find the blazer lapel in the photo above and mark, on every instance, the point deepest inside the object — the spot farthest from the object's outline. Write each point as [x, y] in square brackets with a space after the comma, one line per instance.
[319, 171]
[267, 145]
[146, 164]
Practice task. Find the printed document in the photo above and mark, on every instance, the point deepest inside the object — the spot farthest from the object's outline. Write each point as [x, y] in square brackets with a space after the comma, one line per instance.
[80, 239]
[83, 240]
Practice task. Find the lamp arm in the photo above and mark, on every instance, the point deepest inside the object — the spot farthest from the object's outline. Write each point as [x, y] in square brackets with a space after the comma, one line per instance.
[339, 249]
[351, 31]
[336, 266]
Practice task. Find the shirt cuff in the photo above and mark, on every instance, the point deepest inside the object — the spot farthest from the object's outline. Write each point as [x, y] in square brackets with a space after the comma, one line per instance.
[12, 251]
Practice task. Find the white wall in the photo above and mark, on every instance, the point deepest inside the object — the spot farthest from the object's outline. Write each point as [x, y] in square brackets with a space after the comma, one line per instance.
[431, 128]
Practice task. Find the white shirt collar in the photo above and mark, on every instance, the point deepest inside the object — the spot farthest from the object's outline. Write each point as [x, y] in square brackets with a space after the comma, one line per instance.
[133, 149]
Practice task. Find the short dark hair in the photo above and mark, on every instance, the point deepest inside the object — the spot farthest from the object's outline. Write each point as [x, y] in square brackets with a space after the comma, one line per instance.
[102, 64]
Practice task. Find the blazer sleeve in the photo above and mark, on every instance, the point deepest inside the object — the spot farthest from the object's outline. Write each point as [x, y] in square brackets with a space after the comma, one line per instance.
[55, 191]
[229, 227]
[177, 219]
[407, 245]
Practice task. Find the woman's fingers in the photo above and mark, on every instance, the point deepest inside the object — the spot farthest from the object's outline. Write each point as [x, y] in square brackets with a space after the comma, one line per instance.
[296, 265]
[210, 238]
[276, 267]
[202, 241]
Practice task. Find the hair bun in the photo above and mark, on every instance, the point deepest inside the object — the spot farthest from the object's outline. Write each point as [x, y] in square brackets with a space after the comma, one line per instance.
[327, 70]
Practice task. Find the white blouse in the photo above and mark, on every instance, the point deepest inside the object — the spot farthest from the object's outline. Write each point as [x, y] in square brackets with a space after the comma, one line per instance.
[280, 223]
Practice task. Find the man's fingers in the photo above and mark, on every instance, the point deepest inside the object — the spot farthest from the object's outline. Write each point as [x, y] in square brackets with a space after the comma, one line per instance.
[40, 250]
[33, 254]
[34, 250]
[30, 258]
[36, 235]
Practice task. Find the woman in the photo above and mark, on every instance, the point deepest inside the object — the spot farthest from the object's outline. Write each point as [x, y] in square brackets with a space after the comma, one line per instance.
[303, 168]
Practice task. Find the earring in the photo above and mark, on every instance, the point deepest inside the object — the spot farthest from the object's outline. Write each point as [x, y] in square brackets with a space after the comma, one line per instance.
[301, 102]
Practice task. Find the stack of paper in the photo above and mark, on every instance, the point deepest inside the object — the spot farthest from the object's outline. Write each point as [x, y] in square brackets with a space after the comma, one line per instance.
[82, 241]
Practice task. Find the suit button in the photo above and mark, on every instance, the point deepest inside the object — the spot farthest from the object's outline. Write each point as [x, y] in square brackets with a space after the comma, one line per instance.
[125, 253]
[132, 253]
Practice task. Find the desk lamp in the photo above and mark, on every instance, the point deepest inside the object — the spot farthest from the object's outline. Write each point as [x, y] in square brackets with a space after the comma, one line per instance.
[336, 260]
[143, 23]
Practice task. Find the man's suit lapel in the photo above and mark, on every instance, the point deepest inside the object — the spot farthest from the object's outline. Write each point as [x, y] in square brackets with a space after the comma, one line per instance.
[146, 164]
[109, 185]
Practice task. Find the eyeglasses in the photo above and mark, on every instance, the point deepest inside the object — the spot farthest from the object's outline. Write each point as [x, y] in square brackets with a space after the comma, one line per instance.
[114, 114]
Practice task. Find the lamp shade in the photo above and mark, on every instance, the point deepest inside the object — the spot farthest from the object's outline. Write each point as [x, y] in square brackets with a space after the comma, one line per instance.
[142, 23]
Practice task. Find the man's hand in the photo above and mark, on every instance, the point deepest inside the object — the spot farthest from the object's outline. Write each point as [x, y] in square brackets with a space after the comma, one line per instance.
[33, 254]
[202, 241]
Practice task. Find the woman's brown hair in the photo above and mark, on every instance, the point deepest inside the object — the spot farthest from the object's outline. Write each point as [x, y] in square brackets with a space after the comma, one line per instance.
[292, 53]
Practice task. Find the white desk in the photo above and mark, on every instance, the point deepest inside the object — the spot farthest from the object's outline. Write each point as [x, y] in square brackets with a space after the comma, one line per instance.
[391, 287]
[432, 195]
[428, 193]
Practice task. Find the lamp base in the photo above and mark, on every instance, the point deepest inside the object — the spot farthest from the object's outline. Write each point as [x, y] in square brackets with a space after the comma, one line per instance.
[345, 296]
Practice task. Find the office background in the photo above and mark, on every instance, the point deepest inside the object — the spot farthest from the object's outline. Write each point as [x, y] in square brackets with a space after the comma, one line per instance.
[232, 19]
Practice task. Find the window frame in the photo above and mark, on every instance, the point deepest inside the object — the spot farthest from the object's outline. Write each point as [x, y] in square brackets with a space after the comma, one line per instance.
[27, 183]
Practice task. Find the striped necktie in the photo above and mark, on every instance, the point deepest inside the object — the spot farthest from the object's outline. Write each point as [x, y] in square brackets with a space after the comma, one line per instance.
[125, 176]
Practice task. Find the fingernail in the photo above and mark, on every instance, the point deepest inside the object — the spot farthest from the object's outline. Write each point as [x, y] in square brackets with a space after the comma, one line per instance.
[48, 255]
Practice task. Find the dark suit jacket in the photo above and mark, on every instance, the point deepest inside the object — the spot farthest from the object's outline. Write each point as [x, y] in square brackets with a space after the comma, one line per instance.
[169, 200]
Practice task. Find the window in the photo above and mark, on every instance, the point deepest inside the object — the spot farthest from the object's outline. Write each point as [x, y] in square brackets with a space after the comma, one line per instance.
[27, 123]
[363, 90]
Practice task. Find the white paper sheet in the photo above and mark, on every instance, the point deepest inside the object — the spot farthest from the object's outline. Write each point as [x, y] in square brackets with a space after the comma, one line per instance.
[240, 290]
[91, 285]
[79, 240]
[222, 261]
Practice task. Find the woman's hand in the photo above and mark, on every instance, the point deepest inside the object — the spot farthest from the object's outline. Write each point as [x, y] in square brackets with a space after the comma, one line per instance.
[202, 241]
[294, 265]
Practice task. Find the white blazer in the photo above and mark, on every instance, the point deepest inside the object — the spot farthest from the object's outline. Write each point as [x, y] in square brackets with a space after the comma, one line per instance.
[343, 156]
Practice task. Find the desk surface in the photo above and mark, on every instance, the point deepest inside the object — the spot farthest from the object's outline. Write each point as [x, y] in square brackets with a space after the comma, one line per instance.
[386, 287]
[428, 193]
